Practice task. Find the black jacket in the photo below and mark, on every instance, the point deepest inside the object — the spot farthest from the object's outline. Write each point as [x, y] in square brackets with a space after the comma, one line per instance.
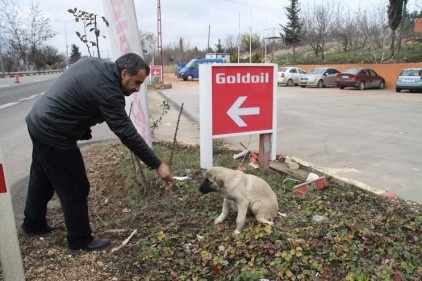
[86, 94]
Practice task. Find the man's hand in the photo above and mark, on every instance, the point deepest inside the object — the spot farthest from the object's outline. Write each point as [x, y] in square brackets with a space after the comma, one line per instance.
[163, 171]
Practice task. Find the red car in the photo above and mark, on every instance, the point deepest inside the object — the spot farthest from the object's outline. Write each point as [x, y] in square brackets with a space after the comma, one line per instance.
[361, 78]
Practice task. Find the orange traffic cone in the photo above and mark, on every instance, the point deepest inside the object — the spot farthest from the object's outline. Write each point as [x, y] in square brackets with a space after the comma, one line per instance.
[17, 79]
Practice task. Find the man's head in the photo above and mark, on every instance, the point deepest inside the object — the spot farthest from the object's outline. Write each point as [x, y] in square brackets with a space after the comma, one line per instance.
[133, 71]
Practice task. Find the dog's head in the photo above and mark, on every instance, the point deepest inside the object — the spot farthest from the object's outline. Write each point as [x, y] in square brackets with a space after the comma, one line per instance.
[212, 181]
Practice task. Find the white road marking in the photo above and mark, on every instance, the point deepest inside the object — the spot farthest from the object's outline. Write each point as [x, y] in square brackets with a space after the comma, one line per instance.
[8, 104]
[23, 99]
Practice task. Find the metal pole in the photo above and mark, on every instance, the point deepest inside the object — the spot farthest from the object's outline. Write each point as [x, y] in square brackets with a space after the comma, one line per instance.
[1, 57]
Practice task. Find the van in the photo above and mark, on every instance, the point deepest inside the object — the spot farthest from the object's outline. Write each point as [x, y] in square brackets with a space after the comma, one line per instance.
[191, 70]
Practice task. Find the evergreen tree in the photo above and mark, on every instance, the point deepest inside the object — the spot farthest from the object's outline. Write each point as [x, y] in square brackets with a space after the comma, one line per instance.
[394, 11]
[75, 55]
[219, 47]
[293, 30]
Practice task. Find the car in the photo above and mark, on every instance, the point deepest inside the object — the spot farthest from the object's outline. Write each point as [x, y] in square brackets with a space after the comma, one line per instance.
[409, 79]
[319, 77]
[361, 78]
[179, 67]
[289, 75]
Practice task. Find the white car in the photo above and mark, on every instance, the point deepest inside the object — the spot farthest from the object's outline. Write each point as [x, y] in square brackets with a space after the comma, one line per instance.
[320, 77]
[289, 76]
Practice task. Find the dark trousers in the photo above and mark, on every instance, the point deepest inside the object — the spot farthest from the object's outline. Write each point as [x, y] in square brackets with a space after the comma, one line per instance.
[61, 171]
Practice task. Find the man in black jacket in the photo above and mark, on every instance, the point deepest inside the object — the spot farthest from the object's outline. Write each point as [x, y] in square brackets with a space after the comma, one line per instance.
[90, 92]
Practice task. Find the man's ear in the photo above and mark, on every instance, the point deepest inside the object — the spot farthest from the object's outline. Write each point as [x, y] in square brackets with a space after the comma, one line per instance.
[124, 73]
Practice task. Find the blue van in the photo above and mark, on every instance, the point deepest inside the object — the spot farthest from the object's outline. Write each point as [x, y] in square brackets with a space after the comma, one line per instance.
[191, 70]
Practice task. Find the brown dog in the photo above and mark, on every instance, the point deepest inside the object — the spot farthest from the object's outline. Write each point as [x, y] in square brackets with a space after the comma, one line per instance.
[246, 194]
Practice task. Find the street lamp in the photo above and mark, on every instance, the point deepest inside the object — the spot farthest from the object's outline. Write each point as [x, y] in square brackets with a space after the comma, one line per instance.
[65, 35]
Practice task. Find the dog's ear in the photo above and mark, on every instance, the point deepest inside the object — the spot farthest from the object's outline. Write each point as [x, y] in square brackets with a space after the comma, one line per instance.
[219, 180]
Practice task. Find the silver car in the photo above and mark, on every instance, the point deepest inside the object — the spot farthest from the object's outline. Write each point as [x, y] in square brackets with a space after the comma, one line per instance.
[409, 79]
[289, 75]
[319, 77]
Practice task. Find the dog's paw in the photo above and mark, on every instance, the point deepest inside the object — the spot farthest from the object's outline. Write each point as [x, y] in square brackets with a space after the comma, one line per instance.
[236, 232]
[270, 223]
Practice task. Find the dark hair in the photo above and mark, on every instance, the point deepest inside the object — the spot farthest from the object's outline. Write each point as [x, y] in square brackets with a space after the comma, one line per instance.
[133, 63]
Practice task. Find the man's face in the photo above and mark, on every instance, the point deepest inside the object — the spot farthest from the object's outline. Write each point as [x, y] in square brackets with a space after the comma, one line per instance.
[132, 83]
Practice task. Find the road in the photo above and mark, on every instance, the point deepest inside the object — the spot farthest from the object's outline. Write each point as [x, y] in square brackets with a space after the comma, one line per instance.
[372, 136]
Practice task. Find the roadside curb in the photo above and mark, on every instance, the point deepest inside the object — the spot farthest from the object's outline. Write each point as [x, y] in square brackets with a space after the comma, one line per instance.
[306, 168]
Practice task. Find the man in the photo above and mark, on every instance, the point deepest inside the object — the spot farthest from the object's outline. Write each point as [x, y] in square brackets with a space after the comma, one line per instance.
[90, 92]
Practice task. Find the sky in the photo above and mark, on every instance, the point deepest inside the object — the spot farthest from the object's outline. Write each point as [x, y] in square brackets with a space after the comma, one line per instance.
[190, 20]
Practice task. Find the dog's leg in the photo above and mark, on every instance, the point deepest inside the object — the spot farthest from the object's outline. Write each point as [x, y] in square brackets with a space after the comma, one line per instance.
[264, 220]
[224, 212]
[242, 210]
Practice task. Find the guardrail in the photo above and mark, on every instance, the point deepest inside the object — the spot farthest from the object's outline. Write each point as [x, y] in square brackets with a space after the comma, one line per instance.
[28, 73]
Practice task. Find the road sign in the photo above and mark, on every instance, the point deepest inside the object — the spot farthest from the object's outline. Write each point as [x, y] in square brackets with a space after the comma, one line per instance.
[155, 71]
[242, 99]
[238, 99]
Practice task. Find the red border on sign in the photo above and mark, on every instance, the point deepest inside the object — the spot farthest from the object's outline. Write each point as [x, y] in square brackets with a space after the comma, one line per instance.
[254, 86]
[3, 188]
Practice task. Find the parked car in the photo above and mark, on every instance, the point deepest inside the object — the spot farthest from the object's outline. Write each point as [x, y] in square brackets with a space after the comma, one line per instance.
[319, 77]
[289, 76]
[409, 79]
[179, 67]
[361, 78]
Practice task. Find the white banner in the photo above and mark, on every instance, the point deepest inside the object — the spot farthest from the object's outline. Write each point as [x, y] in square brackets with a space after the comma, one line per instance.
[124, 38]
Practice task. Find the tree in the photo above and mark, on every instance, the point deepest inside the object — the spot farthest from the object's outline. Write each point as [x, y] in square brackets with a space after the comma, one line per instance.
[75, 54]
[219, 47]
[293, 31]
[50, 55]
[320, 24]
[24, 30]
[40, 30]
[89, 20]
[394, 11]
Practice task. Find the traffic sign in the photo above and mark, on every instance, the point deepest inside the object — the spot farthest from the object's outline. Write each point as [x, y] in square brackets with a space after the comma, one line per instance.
[238, 99]
[155, 71]
[242, 99]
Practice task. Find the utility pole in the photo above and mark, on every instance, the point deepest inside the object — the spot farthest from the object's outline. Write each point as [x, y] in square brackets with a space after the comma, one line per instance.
[159, 39]
[1, 56]
[209, 34]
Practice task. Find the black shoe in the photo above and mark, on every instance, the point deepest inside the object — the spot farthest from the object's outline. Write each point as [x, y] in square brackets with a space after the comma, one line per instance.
[97, 244]
[41, 231]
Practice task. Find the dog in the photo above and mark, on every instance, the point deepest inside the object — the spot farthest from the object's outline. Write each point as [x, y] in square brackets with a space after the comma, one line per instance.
[247, 194]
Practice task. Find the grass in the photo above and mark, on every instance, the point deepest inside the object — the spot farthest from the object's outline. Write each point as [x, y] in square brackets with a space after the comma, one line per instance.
[410, 52]
[362, 236]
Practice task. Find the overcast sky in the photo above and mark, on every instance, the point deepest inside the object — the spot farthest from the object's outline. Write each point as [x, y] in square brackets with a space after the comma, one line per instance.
[187, 19]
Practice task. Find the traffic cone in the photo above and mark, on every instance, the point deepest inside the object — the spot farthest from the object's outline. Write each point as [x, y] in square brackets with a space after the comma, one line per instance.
[17, 79]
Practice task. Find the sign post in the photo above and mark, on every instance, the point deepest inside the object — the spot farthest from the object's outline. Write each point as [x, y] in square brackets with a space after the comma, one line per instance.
[238, 99]
[10, 256]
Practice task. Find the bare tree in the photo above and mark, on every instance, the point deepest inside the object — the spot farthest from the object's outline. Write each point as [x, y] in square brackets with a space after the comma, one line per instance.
[25, 31]
[40, 30]
[320, 24]
[50, 55]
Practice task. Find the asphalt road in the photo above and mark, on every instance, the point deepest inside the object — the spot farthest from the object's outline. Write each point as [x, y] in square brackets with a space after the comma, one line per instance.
[371, 137]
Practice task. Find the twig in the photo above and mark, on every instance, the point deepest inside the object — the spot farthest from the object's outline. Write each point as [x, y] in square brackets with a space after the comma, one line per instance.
[175, 136]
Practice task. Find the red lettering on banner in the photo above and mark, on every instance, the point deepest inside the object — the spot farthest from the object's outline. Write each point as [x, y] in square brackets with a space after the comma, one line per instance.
[120, 26]
[2, 180]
